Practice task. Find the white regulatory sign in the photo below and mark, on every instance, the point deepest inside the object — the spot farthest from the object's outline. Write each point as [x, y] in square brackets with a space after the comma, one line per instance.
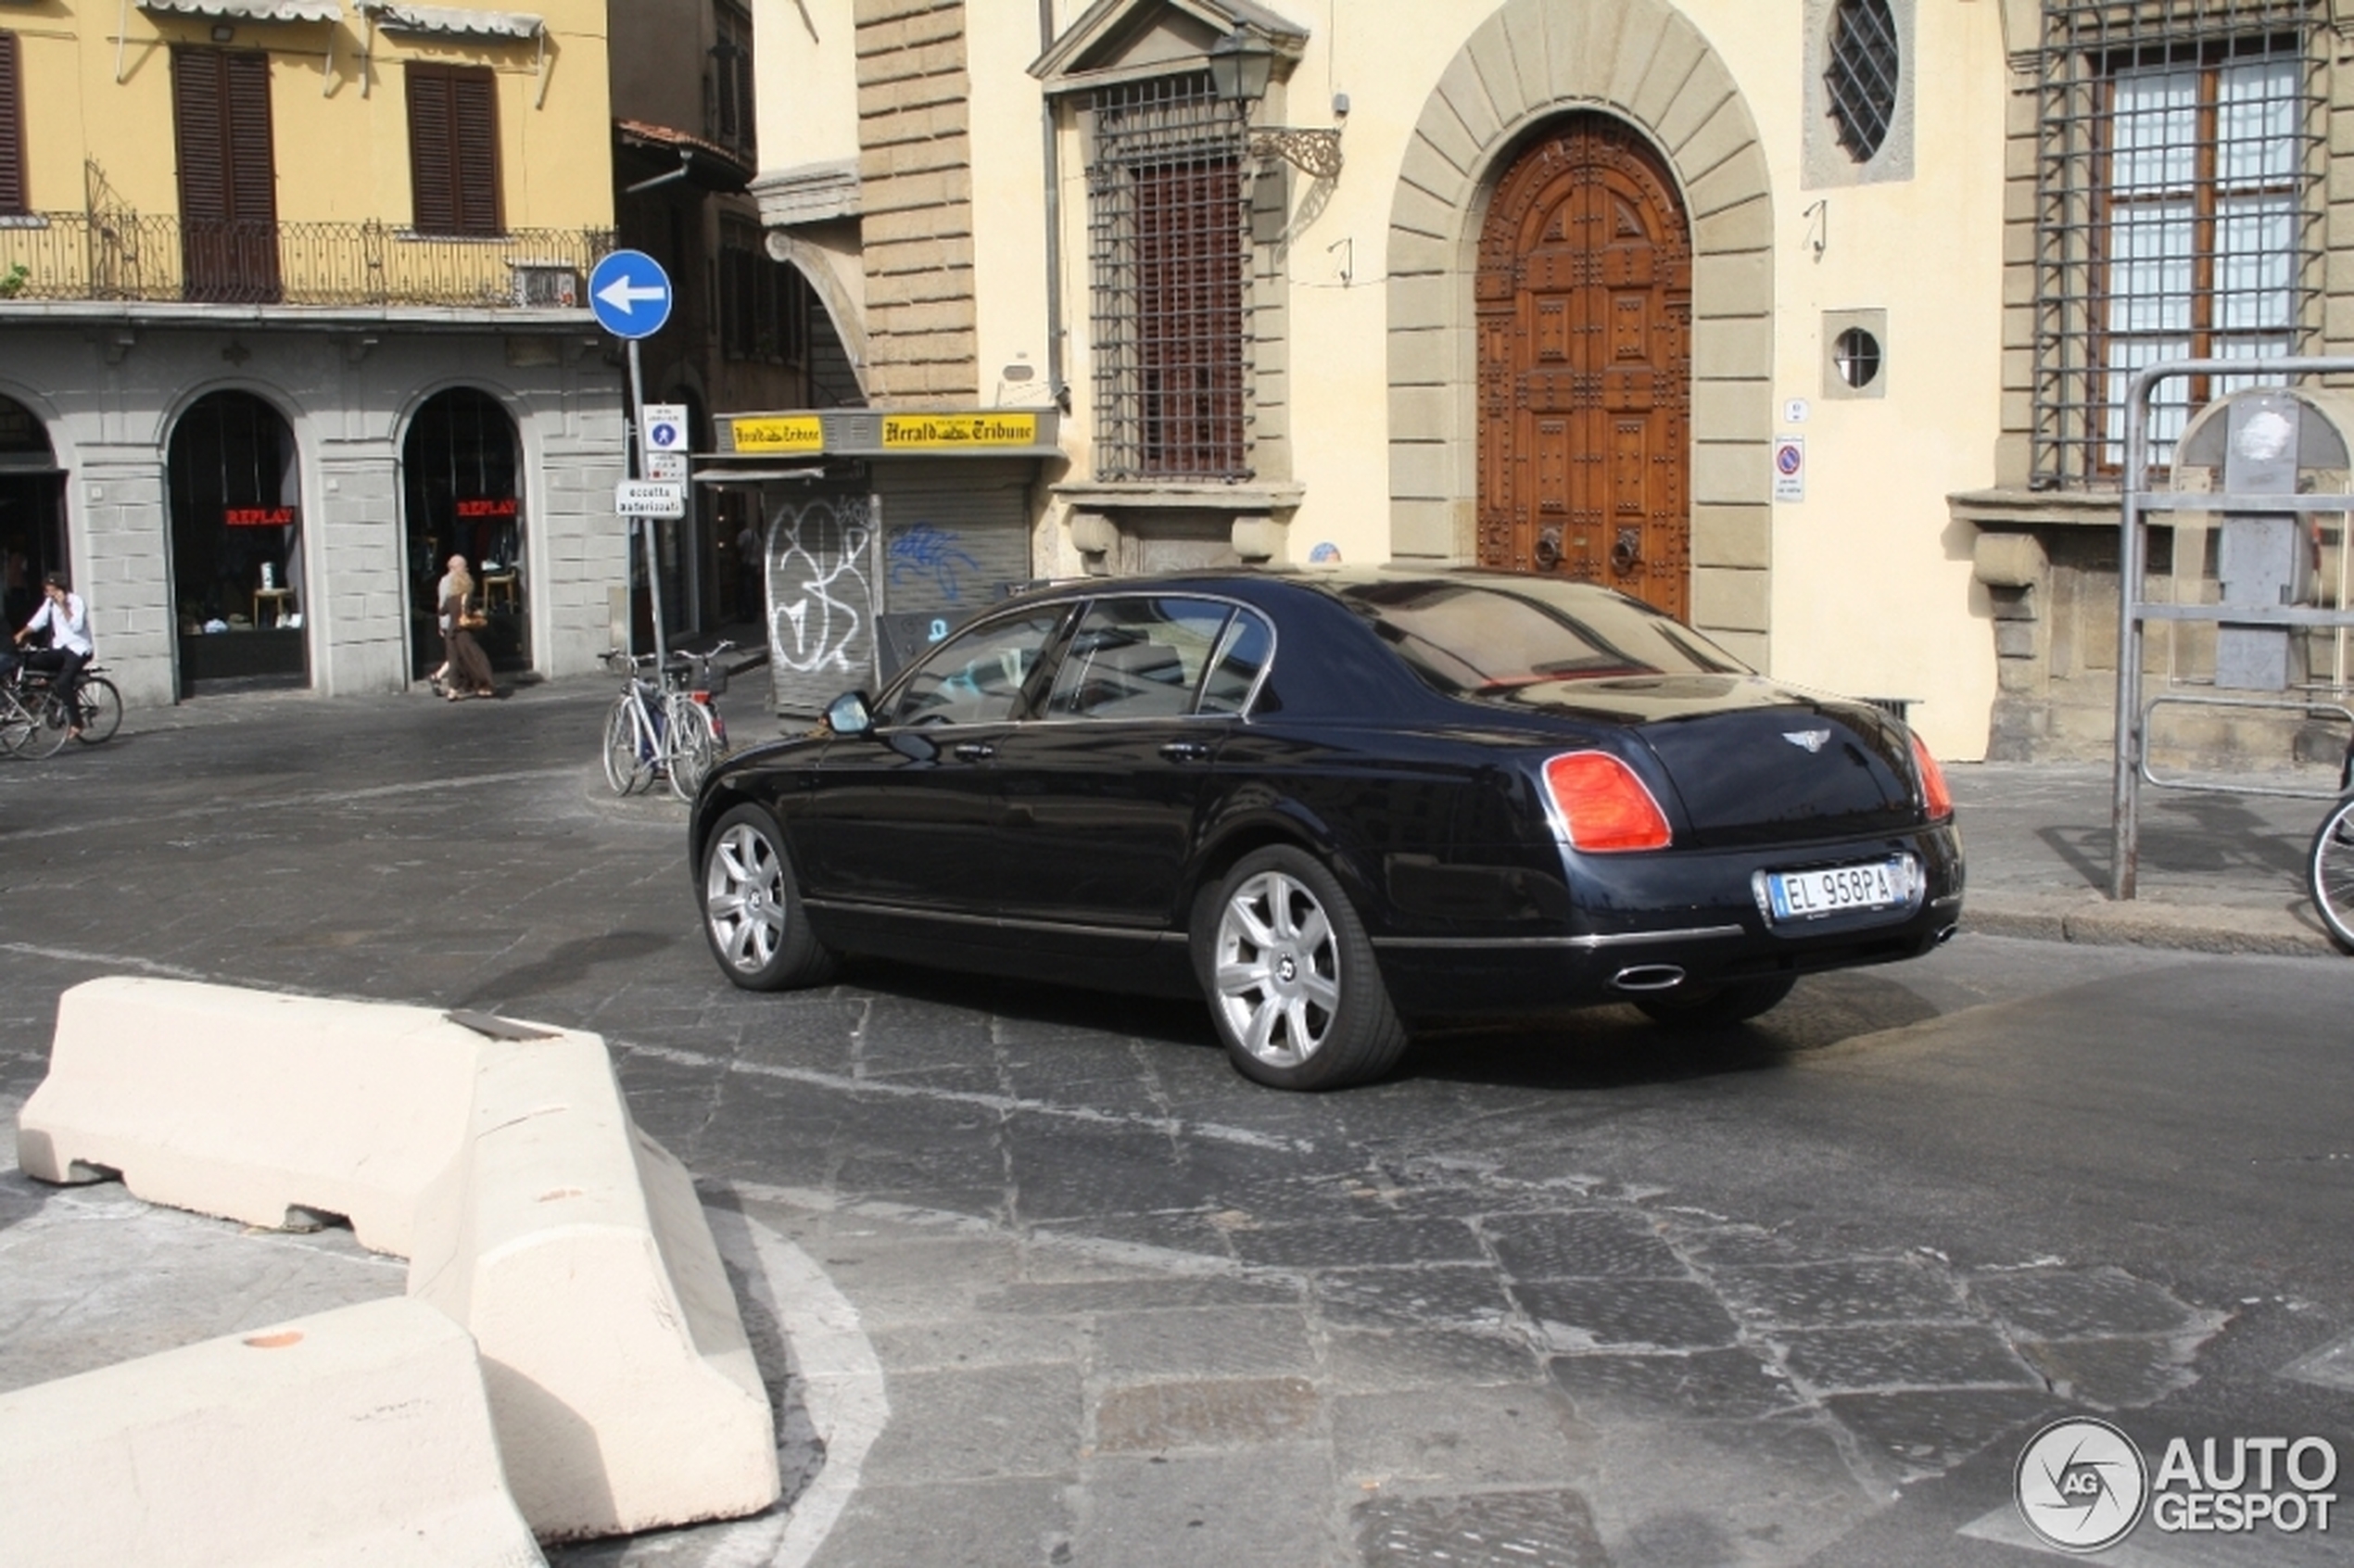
[670, 468]
[1790, 468]
[649, 497]
[663, 427]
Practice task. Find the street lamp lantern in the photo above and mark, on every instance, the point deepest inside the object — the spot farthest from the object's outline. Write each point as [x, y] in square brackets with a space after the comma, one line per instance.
[1239, 68]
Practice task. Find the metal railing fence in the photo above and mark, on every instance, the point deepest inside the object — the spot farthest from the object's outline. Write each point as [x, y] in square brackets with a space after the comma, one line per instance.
[159, 257]
[2137, 499]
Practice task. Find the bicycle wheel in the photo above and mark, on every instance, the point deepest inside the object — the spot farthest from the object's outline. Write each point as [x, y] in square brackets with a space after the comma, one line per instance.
[627, 765]
[101, 707]
[47, 735]
[2329, 872]
[693, 747]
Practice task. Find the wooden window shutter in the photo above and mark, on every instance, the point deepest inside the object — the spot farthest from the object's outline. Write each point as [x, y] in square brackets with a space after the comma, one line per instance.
[474, 121]
[453, 150]
[253, 173]
[197, 115]
[12, 197]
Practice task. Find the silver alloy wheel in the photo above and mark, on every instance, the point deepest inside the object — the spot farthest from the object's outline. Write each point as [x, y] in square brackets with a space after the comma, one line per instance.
[1278, 970]
[745, 898]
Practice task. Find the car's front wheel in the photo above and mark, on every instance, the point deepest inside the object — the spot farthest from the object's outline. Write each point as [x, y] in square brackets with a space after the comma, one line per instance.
[1714, 1005]
[752, 907]
[1291, 977]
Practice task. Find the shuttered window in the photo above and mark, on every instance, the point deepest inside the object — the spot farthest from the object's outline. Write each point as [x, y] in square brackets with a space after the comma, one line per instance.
[228, 178]
[453, 149]
[12, 197]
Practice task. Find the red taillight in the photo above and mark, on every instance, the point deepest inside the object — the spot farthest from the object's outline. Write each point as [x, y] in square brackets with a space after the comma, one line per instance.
[1602, 805]
[1934, 794]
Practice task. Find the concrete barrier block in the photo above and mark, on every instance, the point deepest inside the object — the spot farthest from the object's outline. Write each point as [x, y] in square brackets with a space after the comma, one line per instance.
[245, 1104]
[573, 1246]
[357, 1435]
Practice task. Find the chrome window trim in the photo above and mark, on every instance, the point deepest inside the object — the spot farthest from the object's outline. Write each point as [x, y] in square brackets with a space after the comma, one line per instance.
[1083, 603]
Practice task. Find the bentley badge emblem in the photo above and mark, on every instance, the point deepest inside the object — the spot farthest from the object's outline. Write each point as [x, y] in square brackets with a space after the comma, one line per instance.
[1811, 739]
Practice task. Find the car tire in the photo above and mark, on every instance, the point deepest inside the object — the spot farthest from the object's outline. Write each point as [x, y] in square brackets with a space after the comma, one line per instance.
[751, 913]
[1290, 977]
[1715, 1005]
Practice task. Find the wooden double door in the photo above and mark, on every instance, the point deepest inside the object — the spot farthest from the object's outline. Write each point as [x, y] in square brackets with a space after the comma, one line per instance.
[1585, 314]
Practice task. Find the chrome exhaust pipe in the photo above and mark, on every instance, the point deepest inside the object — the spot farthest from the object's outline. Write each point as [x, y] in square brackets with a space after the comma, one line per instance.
[1946, 935]
[1648, 976]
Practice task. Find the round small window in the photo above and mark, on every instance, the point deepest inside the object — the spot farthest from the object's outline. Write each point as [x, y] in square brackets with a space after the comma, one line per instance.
[1856, 354]
[1862, 75]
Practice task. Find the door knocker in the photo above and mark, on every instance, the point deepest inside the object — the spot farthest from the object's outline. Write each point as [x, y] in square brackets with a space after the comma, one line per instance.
[1549, 549]
[1628, 552]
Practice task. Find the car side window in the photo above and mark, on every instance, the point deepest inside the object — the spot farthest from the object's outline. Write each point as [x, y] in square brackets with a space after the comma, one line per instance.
[1242, 653]
[1140, 656]
[977, 677]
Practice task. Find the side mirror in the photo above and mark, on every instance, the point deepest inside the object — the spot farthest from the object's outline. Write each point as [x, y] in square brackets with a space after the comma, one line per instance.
[847, 716]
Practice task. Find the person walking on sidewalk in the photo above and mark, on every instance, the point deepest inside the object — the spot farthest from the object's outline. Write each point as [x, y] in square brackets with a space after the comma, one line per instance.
[465, 672]
[67, 620]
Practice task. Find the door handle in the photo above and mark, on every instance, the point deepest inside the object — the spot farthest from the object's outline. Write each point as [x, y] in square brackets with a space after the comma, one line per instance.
[975, 750]
[1185, 751]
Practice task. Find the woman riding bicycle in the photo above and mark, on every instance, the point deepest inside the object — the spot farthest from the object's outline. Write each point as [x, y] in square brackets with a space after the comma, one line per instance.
[67, 619]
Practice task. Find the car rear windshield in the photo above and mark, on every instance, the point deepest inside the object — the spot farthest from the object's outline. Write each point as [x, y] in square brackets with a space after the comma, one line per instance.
[1477, 638]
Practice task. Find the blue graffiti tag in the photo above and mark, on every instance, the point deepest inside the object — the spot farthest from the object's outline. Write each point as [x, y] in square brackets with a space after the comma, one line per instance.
[926, 549]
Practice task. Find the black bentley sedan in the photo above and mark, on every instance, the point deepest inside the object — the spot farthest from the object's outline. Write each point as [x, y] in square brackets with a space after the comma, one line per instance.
[1332, 803]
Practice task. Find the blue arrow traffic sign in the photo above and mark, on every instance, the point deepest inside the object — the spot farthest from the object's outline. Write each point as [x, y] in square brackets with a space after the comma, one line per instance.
[630, 294]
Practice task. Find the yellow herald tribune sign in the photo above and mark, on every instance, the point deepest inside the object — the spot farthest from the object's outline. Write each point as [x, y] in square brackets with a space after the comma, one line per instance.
[779, 433]
[935, 432]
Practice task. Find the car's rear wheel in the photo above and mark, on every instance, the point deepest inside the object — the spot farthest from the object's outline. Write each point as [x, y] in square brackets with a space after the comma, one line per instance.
[1706, 1006]
[752, 907]
[1291, 977]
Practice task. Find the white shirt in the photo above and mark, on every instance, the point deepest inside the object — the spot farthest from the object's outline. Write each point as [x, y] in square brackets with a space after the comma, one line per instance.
[70, 630]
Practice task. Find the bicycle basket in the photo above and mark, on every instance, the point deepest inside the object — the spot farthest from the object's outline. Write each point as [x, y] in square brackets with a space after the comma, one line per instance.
[714, 681]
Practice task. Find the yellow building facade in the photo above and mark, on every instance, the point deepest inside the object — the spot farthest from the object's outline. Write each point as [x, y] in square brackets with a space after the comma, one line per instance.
[291, 309]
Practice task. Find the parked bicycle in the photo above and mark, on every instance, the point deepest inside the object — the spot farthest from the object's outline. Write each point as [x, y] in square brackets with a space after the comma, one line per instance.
[671, 731]
[2329, 865]
[33, 719]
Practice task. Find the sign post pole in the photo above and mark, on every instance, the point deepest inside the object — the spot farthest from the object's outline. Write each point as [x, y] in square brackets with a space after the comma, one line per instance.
[630, 295]
[646, 526]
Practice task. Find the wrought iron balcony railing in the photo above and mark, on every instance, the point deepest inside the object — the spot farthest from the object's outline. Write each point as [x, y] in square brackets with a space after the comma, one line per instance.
[126, 256]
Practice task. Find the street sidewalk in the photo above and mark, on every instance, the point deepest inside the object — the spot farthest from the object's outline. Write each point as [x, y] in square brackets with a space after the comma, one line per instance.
[2219, 872]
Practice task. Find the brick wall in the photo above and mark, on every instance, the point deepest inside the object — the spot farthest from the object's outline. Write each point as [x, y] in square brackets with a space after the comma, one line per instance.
[914, 175]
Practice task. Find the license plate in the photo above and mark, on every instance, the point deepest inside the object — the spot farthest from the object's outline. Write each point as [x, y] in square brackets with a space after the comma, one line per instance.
[1835, 890]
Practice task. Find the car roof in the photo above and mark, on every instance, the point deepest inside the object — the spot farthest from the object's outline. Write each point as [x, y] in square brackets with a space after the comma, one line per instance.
[1330, 582]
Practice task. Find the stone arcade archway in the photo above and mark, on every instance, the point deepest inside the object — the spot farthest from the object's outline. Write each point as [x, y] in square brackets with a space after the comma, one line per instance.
[1531, 63]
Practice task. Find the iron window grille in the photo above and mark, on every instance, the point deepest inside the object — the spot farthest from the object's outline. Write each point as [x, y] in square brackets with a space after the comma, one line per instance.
[1169, 251]
[1862, 75]
[2179, 165]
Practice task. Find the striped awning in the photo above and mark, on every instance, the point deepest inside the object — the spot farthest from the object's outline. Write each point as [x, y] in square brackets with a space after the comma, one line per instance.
[250, 10]
[455, 20]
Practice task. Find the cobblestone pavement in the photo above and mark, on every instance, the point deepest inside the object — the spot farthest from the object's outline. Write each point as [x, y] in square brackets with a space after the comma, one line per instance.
[1570, 1293]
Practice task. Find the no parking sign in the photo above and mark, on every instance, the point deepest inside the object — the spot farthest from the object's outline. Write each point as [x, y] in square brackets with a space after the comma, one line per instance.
[1790, 468]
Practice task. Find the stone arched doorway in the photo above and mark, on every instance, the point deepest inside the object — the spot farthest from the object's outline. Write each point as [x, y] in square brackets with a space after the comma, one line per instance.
[462, 495]
[1585, 304]
[238, 582]
[1518, 72]
[32, 526]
